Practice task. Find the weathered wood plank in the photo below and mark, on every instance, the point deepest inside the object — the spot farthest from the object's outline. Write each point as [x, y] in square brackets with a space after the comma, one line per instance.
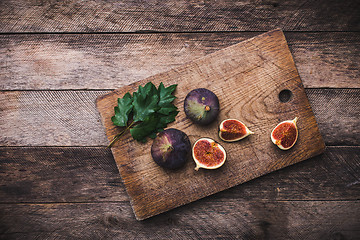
[37, 175]
[69, 118]
[51, 118]
[205, 219]
[132, 16]
[337, 109]
[107, 61]
[59, 175]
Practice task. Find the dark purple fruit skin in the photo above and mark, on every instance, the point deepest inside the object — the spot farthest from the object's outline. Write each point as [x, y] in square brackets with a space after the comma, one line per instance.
[203, 97]
[171, 148]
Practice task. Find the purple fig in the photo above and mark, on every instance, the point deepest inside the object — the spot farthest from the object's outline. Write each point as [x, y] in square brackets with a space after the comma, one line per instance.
[171, 148]
[201, 106]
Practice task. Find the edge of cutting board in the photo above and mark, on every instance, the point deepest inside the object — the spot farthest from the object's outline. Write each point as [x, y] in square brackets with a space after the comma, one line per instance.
[129, 170]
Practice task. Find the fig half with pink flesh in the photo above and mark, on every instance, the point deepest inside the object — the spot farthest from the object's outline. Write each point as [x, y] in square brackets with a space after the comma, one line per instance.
[285, 134]
[208, 154]
[231, 130]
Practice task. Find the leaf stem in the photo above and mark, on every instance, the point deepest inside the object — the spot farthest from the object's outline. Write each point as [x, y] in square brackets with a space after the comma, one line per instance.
[117, 136]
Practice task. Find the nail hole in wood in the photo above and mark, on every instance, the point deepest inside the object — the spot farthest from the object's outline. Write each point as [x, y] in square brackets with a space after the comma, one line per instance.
[285, 95]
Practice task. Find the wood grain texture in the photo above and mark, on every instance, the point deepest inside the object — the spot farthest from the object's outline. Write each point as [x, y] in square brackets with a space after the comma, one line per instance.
[247, 78]
[133, 16]
[77, 193]
[204, 219]
[109, 61]
[59, 175]
[50, 118]
[83, 174]
[69, 118]
[335, 109]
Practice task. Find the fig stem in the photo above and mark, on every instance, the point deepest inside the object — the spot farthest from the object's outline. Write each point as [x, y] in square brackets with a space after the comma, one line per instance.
[117, 136]
[250, 132]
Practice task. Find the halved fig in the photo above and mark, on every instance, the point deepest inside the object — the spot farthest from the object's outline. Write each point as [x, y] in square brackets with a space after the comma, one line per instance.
[208, 154]
[285, 134]
[171, 148]
[231, 130]
[201, 106]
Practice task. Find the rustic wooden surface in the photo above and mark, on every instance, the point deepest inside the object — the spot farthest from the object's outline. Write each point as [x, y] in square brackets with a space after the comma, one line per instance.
[247, 77]
[57, 180]
[50, 61]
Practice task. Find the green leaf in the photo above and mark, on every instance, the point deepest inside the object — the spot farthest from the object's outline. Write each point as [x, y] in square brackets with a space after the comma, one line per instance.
[162, 123]
[144, 106]
[151, 109]
[153, 135]
[148, 90]
[122, 110]
[167, 109]
[165, 94]
[164, 120]
[144, 129]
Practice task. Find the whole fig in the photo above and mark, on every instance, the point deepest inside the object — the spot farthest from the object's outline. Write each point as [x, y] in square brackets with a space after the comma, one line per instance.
[171, 148]
[201, 106]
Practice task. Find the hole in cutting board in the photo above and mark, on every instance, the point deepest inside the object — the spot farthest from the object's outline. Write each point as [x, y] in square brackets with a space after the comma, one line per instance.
[285, 95]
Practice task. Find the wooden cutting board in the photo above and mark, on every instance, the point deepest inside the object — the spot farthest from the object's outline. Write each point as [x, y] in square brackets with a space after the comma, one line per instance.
[249, 79]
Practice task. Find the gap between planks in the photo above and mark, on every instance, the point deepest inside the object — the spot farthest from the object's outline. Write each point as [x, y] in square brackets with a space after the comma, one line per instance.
[207, 199]
[144, 32]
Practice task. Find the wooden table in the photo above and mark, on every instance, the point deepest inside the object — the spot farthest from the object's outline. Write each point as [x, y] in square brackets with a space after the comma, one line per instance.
[59, 181]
